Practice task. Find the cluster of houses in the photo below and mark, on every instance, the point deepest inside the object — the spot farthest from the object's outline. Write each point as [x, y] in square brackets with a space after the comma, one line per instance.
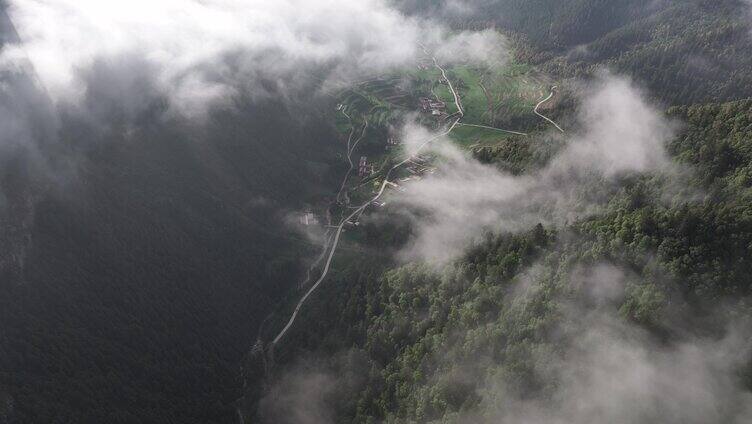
[424, 64]
[392, 142]
[364, 168]
[434, 107]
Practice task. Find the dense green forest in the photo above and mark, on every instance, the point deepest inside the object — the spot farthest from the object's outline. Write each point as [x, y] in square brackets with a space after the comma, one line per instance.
[398, 342]
[151, 268]
[427, 345]
[683, 51]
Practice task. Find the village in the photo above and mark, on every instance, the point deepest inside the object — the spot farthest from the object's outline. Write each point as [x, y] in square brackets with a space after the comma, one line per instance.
[369, 115]
[436, 108]
[415, 169]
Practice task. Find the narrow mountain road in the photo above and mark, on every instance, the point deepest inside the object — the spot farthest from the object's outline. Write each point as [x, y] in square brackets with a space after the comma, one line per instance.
[457, 100]
[350, 150]
[332, 242]
[315, 264]
[541, 103]
[341, 227]
[493, 128]
[365, 205]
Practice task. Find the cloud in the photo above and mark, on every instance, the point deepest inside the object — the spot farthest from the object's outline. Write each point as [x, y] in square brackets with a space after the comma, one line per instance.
[585, 362]
[445, 9]
[621, 133]
[603, 368]
[482, 47]
[314, 390]
[200, 52]
[300, 398]
[458, 8]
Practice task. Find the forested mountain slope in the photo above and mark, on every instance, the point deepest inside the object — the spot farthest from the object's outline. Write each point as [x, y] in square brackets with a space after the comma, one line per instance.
[532, 325]
[141, 252]
[150, 266]
[413, 344]
[684, 51]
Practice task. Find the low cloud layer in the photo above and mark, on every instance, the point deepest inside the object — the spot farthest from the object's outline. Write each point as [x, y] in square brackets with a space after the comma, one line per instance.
[620, 133]
[617, 374]
[603, 368]
[589, 362]
[314, 390]
[199, 52]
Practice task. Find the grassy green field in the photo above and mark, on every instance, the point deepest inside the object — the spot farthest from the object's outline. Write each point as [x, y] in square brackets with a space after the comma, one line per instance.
[471, 137]
[499, 97]
[509, 91]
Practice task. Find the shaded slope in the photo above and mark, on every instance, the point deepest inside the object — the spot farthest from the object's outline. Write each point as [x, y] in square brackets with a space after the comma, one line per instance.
[148, 272]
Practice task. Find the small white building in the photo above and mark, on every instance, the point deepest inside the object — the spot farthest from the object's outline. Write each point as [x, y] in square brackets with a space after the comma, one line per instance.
[364, 169]
[308, 218]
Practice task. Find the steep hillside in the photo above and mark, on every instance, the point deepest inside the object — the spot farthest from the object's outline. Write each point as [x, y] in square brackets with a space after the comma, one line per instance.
[149, 268]
[689, 52]
[514, 330]
[504, 328]
[531, 240]
[684, 51]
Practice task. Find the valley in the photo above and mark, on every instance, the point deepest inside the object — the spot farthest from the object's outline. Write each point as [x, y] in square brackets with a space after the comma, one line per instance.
[403, 211]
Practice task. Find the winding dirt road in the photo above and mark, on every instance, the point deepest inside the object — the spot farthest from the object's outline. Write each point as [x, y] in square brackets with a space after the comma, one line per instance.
[350, 150]
[493, 128]
[457, 100]
[553, 91]
[357, 211]
[365, 205]
[332, 241]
